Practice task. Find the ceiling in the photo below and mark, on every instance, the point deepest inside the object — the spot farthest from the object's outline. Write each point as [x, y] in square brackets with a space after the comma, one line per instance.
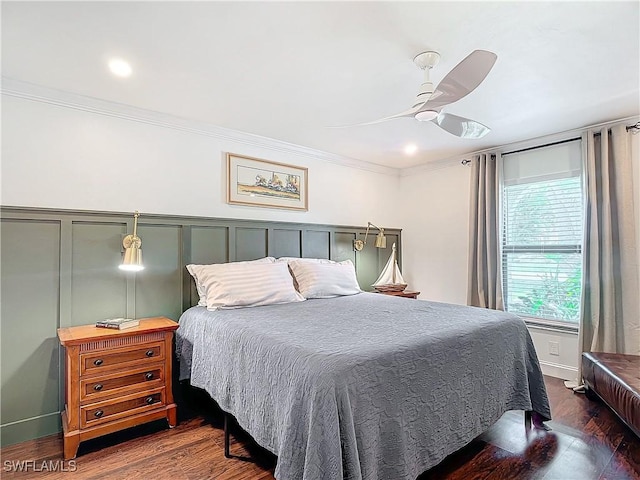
[289, 70]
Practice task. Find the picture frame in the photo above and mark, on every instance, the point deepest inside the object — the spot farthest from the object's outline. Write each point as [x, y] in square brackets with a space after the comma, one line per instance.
[263, 183]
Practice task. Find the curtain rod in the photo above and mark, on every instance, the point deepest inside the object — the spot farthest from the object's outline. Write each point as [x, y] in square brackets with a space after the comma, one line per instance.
[545, 145]
[635, 127]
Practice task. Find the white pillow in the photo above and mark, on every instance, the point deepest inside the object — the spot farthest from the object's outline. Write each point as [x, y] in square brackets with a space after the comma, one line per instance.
[230, 285]
[325, 280]
[196, 272]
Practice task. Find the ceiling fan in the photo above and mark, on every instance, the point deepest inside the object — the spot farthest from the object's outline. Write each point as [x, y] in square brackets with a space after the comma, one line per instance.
[457, 84]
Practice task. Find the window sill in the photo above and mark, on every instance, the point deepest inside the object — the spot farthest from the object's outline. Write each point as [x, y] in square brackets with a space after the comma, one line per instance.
[549, 325]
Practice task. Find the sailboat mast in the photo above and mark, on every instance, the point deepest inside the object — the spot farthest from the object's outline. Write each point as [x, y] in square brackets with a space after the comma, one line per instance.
[393, 252]
[394, 265]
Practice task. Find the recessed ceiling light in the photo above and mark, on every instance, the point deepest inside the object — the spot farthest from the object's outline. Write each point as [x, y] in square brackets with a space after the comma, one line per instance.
[119, 67]
[411, 149]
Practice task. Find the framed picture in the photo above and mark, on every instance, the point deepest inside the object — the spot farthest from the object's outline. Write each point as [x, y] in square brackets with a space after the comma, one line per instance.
[261, 183]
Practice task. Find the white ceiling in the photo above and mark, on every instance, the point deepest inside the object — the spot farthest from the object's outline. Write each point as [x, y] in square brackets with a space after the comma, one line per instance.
[289, 70]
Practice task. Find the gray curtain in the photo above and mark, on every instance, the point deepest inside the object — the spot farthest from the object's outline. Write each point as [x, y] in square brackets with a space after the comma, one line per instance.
[610, 314]
[485, 278]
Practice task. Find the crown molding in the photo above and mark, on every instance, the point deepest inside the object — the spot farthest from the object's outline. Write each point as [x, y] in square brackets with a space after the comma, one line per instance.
[38, 93]
[434, 165]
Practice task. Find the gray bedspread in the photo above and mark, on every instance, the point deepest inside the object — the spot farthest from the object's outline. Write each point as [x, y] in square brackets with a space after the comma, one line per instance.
[362, 387]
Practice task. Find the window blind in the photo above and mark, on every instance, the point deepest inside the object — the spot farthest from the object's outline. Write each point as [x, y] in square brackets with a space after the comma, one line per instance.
[544, 163]
[542, 238]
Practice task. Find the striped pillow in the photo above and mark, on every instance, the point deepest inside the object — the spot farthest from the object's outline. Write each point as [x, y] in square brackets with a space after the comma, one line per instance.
[325, 280]
[297, 259]
[197, 271]
[232, 285]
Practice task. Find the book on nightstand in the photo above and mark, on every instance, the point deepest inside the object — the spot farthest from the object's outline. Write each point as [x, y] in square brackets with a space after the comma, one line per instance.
[118, 323]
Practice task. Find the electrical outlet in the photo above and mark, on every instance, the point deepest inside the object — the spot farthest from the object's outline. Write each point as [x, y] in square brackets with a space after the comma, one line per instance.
[554, 348]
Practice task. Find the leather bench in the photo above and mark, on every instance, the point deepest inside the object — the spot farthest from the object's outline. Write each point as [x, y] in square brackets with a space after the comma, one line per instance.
[615, 378]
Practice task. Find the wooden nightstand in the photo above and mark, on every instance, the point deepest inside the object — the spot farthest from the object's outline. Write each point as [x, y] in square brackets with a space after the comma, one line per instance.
[405, 294]
[116, 379]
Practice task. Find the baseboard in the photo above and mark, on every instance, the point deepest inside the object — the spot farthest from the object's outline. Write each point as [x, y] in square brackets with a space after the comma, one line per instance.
[30, 428]
[558, 371]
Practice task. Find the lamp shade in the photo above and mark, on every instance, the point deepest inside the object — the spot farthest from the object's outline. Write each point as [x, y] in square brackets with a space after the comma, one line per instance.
[132, 259]
[381, 240]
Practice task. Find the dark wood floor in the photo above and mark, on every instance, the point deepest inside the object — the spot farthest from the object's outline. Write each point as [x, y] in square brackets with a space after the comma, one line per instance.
[587, 442]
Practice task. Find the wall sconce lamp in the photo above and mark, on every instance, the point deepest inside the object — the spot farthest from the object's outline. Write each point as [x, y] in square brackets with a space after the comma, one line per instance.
[132, 260]
[381, 240]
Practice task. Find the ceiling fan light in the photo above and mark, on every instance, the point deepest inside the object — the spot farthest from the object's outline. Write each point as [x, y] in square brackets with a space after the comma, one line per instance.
[426, 116]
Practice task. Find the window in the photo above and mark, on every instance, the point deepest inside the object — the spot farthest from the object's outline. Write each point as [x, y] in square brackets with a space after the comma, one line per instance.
[542, 232]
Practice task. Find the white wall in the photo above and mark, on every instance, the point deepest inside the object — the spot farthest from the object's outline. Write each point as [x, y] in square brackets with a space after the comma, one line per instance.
[565, 364]
[435, 241]
[61, 157]
[435, 235]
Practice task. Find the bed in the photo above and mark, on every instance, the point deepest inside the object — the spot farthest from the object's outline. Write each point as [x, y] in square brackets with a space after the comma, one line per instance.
[364, 386]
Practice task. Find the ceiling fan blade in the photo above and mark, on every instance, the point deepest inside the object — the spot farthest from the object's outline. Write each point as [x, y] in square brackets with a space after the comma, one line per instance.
[408, 113]
[463, 79]
[460, 126]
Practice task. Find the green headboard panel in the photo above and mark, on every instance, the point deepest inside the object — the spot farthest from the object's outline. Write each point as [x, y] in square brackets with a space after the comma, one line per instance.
[251, 243]
[59, 268]
[343, 247]
[287, 243]
[97, 289]
[209, 245]
[317, 244]
[158, 288]
[29, 355]
[202, 246]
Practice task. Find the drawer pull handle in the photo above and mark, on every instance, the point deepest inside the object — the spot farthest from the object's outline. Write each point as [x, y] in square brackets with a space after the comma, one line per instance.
[149, 400]
[97, 387]
[98, 413]
[98, 362]
[149, 353]
[148, 376]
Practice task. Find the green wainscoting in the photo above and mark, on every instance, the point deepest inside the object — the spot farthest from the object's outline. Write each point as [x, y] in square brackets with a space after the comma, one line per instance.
[30, 365]
[59, 268]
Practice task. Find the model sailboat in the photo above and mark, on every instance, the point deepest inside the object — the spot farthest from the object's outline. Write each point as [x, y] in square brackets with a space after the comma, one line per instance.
[390, 280]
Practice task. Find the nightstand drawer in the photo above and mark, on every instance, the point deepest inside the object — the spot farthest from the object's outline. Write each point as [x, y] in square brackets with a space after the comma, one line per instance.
[95, 362]
[125, 406]
[121, 383]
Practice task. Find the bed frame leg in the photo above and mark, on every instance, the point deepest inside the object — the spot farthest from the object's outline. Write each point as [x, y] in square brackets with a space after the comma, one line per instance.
[226, 435]
[527, 420]
[534, 420]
